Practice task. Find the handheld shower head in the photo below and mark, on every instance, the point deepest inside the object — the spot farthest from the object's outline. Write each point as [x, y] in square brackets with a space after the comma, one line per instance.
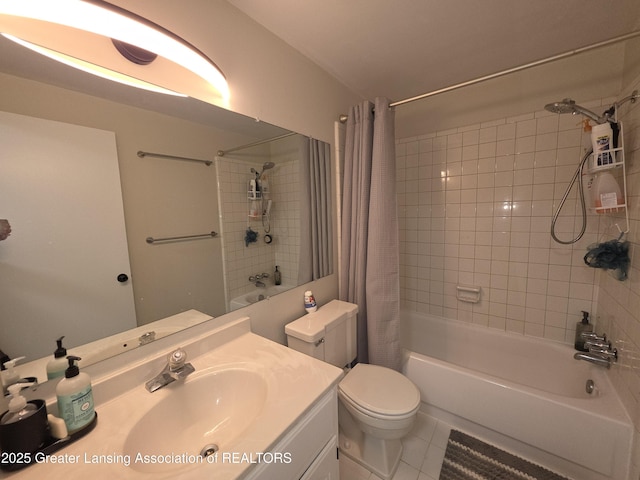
[267, 166]
[569, 106]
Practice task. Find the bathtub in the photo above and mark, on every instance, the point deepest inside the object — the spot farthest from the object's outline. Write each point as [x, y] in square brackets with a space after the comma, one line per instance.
[524, 394]
[256, 295]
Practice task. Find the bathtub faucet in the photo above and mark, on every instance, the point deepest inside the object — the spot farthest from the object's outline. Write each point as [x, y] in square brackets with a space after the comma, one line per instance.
[601, 351]
[257, 279]
[596, 358]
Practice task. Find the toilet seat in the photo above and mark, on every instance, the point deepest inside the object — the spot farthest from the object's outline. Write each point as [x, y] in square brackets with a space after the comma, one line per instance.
[380, 392]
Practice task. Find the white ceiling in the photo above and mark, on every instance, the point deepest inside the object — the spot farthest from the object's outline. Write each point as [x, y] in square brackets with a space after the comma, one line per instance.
[402, 48]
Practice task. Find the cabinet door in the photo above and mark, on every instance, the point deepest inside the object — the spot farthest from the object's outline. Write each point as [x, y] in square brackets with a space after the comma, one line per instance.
[326, 464]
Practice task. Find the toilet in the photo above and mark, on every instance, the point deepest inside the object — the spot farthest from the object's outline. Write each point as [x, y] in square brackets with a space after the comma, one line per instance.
[377, 406]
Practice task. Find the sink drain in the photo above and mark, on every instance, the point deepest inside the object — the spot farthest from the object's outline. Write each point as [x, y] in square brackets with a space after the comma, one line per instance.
[209, 450]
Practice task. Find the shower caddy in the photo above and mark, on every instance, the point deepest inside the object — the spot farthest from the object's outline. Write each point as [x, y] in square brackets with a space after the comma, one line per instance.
[617, 163]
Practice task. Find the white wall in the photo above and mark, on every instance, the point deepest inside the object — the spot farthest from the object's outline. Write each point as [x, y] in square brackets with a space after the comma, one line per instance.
[268, 79]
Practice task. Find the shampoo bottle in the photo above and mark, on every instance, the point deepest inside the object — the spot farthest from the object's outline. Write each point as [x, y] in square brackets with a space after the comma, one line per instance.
[601, 141]
[607, 193]
[277, 277]
[57, 365]
[75, 397]
[582, 327]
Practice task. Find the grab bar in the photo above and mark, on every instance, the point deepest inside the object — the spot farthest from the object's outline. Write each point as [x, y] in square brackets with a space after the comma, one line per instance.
[211, 234]
[142, 154]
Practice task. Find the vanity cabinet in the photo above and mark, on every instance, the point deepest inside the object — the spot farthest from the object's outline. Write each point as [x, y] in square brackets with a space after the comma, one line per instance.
[311, 445]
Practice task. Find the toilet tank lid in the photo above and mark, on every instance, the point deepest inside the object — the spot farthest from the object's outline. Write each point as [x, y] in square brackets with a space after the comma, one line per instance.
[312, 326]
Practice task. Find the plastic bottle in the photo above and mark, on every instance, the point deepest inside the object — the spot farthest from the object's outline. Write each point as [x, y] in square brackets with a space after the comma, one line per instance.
[19, 408]
[601, 141]
[10, 375]
[75, 397]
[277, 277]
[310, 304]
[606, 193]
[582, 327]
[57, 366]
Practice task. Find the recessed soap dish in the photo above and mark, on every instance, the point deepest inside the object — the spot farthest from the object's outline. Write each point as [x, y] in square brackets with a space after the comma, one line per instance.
[468, 293]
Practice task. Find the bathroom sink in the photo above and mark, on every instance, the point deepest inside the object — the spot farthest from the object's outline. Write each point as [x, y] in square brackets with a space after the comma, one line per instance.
[210, 411]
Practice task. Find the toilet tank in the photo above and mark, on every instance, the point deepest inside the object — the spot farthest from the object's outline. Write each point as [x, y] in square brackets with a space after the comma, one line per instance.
[328, 334]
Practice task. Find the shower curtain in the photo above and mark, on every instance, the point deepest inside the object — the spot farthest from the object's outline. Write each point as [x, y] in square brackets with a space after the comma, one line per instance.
[370, 247]
[316, 254]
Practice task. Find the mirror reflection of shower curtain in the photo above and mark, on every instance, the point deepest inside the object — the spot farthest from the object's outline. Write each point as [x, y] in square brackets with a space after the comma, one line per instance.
[316, 254]
[370, 254]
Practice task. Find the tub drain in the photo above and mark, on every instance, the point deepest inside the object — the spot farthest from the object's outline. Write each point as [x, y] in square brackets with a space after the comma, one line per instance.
[208, 450]
[590, 386]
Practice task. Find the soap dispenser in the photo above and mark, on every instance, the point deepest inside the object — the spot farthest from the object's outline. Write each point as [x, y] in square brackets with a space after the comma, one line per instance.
[10, 375]
[57, 365]
[23, 428]
[19, 409]
[582, 327]
[75, 397]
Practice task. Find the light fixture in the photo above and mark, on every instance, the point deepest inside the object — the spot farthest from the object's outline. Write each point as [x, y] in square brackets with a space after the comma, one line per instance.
[111, 42]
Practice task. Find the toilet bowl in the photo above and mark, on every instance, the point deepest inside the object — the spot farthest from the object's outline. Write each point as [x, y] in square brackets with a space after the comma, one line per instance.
[377, 406]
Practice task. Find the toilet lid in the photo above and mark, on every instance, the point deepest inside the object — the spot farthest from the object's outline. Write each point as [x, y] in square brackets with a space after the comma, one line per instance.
[380, 390]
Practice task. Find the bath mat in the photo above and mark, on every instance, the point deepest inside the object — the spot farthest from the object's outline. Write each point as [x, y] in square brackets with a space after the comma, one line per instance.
[468, 458]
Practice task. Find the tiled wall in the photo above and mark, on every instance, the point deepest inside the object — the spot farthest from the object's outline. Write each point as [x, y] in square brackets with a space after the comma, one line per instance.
[619, 302]
[476, 204]
[240, 260]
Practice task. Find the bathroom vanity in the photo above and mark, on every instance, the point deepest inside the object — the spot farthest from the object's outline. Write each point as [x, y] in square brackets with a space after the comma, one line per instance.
[252, 409]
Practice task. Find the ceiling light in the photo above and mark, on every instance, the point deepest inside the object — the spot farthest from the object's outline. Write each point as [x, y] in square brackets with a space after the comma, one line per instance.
[85, 34]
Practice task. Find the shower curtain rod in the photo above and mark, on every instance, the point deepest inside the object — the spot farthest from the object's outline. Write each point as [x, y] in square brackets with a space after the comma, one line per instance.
[605, 43]
[222, 153]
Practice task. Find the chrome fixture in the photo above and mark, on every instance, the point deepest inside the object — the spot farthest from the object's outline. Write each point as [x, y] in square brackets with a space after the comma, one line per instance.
[147, 338]
[73, 32]
[569, 106]
[257, 279]
[601, 351]
[175, 369]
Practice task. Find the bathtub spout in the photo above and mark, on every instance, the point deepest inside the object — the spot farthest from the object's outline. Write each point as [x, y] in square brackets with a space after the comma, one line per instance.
[596, 358]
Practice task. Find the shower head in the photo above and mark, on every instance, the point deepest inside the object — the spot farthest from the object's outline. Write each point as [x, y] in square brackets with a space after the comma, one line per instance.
[267, 166]
[569, 106]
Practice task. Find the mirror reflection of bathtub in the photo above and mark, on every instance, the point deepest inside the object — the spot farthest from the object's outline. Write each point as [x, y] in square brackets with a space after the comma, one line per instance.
[256, 295]
[104, 348]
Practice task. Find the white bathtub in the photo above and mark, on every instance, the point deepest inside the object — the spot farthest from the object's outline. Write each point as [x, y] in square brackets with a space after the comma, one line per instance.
[528, 395]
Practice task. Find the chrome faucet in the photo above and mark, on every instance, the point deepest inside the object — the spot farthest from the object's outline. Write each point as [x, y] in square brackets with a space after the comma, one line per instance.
[146, 338]
[257, 279]
[597, 358]
[175, 369]
[601, 351]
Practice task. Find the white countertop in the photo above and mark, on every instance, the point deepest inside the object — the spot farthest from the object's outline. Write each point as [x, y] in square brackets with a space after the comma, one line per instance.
[295, 382]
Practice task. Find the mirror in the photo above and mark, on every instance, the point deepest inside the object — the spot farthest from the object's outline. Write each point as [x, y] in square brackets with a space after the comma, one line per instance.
[168, 284]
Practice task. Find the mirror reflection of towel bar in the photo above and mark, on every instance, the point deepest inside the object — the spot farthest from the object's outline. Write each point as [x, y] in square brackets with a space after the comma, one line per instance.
[142, 154]
[182, 237]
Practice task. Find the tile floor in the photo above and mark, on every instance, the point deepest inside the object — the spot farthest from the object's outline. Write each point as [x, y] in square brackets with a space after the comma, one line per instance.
[422, 454]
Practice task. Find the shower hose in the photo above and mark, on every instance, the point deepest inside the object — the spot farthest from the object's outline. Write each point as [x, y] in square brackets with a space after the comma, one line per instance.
[576, 177]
